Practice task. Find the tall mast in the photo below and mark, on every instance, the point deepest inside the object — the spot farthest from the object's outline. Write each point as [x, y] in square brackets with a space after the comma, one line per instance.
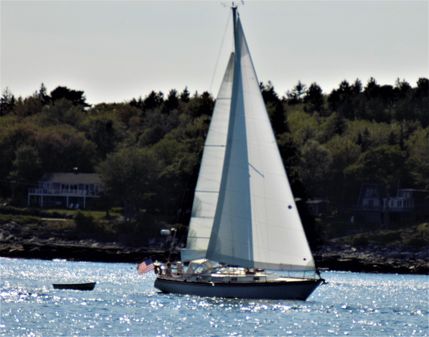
[234, 12]
[234, 21]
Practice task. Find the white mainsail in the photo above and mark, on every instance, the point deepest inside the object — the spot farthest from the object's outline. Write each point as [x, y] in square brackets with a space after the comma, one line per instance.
[209, 178]
[256, 221]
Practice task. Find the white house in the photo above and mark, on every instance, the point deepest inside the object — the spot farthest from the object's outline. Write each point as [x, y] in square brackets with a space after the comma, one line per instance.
[68, 190]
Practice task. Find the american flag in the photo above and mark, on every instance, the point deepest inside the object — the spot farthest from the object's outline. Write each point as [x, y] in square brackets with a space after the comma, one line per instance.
[145, 267]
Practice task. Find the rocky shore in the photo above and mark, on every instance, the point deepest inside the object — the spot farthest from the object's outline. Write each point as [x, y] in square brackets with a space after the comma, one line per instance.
[374, 259]
[333, 256]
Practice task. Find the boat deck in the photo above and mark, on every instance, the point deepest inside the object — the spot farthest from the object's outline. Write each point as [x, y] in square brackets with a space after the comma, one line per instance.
[233, 278]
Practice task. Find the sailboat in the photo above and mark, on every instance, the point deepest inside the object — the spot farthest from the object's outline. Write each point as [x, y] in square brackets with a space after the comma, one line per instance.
[244, 224]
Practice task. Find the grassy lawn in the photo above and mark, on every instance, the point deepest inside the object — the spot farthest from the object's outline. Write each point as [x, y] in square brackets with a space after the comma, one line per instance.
[416, 236]
[72, 212]
[4, 218]
[57, 221]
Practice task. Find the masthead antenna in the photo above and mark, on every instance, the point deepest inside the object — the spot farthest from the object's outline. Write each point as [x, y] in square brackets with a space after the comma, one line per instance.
[234, 4]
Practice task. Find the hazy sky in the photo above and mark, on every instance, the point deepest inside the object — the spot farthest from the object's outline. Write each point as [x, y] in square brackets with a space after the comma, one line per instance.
[117, 50]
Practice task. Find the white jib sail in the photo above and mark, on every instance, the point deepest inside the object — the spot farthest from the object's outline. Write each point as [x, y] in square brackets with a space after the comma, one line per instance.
[208, 184]
[256, 222]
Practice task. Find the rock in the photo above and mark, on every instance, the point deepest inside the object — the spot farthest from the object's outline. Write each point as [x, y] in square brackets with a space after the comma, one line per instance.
[10, 237]
[16, 248]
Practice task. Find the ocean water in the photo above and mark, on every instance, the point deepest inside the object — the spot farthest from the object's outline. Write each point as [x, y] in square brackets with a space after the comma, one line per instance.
[125, 303]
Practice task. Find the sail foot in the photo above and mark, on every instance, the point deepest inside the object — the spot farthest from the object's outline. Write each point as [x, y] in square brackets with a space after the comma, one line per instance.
[237, 262]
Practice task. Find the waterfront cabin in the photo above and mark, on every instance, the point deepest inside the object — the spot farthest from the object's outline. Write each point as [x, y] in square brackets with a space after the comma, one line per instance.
[66, 190]
[376, 207]
[409, 204]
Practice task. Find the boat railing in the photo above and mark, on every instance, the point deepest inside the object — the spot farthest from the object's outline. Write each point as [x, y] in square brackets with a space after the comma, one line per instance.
[301, 273]
[62, 191]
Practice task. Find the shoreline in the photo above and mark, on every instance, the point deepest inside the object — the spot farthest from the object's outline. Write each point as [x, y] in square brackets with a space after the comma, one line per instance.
[331, 257]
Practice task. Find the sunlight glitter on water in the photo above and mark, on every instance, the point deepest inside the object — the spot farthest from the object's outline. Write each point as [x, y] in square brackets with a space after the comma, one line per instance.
[126, 304]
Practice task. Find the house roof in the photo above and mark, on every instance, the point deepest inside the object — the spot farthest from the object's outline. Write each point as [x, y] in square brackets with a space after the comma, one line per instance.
[412, 190]
[72, 178]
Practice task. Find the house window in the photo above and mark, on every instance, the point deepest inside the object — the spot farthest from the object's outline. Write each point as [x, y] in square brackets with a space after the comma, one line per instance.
[370, 192]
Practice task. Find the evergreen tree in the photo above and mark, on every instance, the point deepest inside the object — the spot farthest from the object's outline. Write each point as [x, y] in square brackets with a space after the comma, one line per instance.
[296, 95]
[172, 101]
[314, 99]
[42, 94]
[185, 95]
[76, 97]
[7, 102]
[275, 108]
[153, 100]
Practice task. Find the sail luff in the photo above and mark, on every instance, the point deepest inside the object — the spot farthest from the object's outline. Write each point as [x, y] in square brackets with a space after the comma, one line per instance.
[228, 234]
[209, 177]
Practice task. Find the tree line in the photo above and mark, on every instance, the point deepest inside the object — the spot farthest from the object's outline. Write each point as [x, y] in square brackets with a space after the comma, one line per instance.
[147, 150]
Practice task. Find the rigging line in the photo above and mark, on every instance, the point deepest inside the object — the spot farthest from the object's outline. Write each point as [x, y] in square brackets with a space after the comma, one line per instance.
[218, 55]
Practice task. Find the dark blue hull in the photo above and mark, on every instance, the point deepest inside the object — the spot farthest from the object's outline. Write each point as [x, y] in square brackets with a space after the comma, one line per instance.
[283, 290]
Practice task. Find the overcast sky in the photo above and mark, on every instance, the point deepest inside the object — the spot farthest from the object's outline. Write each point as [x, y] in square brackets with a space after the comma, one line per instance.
[117, 50]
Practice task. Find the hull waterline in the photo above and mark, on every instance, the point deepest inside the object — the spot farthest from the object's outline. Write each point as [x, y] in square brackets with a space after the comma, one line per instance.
[296, 290]
[75, 286]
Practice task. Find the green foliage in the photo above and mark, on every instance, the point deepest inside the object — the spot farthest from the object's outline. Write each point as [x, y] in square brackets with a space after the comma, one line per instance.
[200, 105]
[105, 127]
[416, 242]
[418, 161]
[331, 126]
[359, 241]
[7, 102]
[303, 126]
[344, 153]
[62, 111]
[386, 237]
[62, 147]
[148, 150]
[382, 164]
[411, 237]
[76, 97]
[296, 95]
[275, 108]
[313, 99]
[129, 177]
[20, 219]
[423, 231]
[27, 167]
[315, 165]
[29, 106]
[84, 223]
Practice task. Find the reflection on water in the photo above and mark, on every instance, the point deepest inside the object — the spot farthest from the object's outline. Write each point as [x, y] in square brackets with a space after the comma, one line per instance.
[125, 303]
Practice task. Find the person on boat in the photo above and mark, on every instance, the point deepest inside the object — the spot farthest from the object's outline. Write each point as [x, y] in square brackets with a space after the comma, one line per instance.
[179, 268]
[168, 270]
[157, 268]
